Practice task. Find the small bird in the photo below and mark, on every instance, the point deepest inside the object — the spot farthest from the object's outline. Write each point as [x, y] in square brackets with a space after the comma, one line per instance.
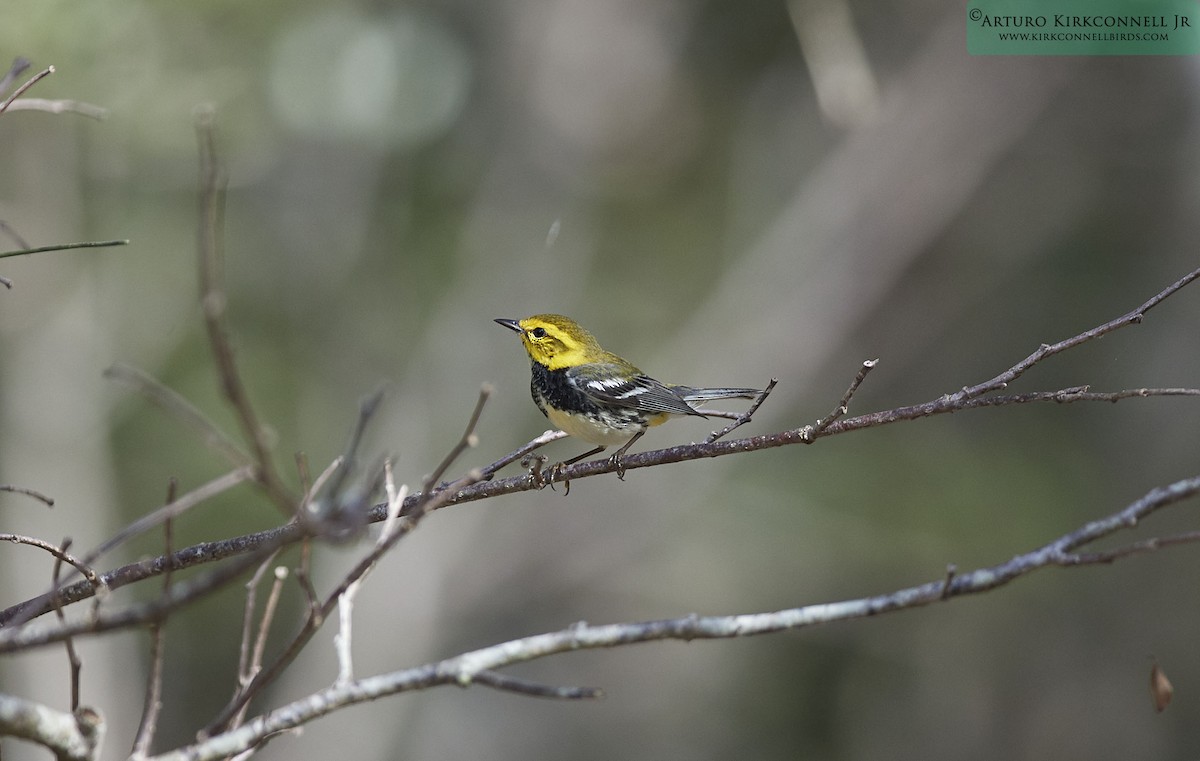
[593, 394]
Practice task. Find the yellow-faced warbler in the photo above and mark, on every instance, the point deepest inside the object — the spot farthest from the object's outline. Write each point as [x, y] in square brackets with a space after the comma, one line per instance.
[593, 394]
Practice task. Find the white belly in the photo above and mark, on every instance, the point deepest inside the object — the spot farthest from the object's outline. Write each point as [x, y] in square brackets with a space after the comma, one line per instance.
[583, 427]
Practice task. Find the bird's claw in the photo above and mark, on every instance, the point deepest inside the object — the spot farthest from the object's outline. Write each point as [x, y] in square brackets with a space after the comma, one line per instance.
[618, 462]
[556, 474]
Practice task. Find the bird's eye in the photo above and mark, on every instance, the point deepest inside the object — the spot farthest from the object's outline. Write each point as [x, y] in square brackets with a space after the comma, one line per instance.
[538, 332]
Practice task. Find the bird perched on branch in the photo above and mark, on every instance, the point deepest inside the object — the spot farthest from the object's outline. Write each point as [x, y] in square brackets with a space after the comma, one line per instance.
[594, 395]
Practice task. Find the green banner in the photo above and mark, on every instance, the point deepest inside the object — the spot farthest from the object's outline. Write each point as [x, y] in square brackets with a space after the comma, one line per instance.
[1083, 27]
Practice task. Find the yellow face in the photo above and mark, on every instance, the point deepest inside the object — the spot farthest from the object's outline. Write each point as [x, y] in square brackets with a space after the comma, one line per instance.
[556, 341]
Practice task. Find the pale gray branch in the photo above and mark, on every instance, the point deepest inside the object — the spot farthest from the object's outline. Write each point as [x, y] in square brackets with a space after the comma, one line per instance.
[479, 665]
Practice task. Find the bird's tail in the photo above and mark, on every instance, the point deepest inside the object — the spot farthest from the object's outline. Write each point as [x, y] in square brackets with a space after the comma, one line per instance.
[690, 394]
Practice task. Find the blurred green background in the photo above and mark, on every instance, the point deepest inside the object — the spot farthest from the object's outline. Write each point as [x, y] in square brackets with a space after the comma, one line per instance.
[723, 192]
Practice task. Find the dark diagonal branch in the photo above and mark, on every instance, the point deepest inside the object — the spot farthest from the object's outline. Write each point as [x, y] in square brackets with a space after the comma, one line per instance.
[13, 639]
[455, 494]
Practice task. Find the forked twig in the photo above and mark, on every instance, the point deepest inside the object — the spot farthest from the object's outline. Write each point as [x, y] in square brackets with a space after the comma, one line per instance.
[744, 417]
[425, 502]
[21, 90]
[1135, 317]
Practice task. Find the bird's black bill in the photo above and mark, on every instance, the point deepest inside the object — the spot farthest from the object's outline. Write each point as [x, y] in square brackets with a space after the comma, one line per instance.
[510, 324]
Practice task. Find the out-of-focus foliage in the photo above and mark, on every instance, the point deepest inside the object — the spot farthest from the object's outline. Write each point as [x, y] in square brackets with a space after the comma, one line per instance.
[395, 171]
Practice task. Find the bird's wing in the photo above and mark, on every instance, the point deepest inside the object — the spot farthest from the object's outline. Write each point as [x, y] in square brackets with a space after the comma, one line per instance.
[608, 384]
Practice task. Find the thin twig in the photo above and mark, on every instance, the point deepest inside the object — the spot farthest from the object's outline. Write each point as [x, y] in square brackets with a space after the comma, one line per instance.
[1136, 548]
[333, 506]
[172, 510]
[64, 247]
[744, 417]
[1135, 317]
[207, 551]
[19, 65]
[60, 107]
[480, 665]
[536, 443]
[19, 638]
[427, 502]
[47, 501]
[268, 617]
[152, 702]
[844, 405]
[456, 494]
[213, 304]
[254, 665]
[395, 501]
[250, 607]
[343, 641]
[84, 569]
[171, 402]
[21, 90]
[72, 656]
[10, 232]
[496, 680]
[468, 440]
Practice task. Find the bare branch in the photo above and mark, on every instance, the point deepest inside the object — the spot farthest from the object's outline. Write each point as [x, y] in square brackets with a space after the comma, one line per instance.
[496, 680]
[743, 418]
[251, 662]
[152, 704]
[478, 666]
[59, 553]
[72, 656]
[60, 107]
[422, 504]
[844, 405]
[181, 409]
[47, 501]
[197, 554]
[458, 494]
[519, 453]
[213, 304]
[19, 65]
[16, 638]
[334, 506]
[343, 641]
[172, 510]
[21, 90]
[1135, 317]
[70, 737]
[395, 501]
[64, 247]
